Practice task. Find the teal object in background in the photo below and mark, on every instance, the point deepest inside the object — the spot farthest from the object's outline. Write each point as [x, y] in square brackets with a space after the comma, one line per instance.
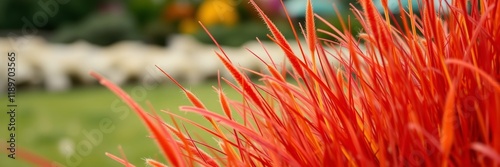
[296, 8]
[393, 5]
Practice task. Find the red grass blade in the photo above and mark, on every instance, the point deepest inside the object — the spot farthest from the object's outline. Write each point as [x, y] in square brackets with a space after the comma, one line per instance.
[311, 31]
[119, 160]
[487, 151]
[425, 92]
[154, 163]
[169, 149]
[280, 40]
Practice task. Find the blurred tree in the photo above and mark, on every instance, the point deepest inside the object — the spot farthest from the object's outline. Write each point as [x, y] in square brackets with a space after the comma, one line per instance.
[12, 12]
[75, 11]
[100, 28]
[151, 20]
[241, 33]
[145, 11]
[157, 31]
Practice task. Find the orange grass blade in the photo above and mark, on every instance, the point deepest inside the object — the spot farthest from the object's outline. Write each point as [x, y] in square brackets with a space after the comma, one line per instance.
[449, 119]
[33, 158]
[409, 95]
[154, 163]
[197, 102]
[169, 149]
[487, 151]
[311, 31]
[119, 160]
[280, 40]
[243, 130]
[124, 157]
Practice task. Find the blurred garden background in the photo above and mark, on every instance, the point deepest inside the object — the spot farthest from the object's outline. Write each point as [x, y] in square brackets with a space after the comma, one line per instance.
[62, 110]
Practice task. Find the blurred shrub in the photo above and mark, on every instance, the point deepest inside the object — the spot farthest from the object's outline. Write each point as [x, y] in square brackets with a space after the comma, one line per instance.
[241, 33]
[100, 29]
[156, 32]
[146, 11]
[12, 12]
[149, 20]
[249, 30]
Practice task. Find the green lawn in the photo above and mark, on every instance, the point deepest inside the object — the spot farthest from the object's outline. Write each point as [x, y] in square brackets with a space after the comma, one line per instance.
[45, 120]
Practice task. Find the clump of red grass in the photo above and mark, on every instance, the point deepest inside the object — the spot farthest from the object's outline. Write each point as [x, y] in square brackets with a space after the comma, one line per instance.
[426, 92]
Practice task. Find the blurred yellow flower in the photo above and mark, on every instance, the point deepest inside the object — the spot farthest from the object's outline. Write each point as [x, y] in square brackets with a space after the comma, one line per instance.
[213, 12]
[188, 26]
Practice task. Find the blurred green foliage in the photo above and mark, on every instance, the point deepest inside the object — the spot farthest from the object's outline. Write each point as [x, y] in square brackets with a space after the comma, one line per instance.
[155, 32]
[47, 119]
[233, 36]
[12, 12]
[146, 11]
[104, 22]
[100, 29]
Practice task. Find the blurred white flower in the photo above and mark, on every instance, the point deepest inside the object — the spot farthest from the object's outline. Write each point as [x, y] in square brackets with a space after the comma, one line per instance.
[66, 147]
